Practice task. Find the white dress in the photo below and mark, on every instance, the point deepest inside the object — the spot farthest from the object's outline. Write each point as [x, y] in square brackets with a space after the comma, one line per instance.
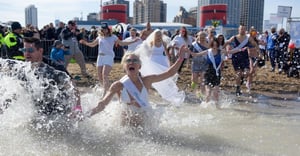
[158, 55]
[155, 62]
[132, 114]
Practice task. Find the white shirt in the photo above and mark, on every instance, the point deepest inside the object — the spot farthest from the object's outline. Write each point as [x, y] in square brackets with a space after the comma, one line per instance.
[179, 41]
[106, 45]
[132, 46]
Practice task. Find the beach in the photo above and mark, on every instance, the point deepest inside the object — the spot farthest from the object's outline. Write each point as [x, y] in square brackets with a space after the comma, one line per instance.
[243, 125]
[267, 83]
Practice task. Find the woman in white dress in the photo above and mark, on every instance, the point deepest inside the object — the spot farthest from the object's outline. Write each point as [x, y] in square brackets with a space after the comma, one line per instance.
[133, 89]
[155, 61]
[158, 48]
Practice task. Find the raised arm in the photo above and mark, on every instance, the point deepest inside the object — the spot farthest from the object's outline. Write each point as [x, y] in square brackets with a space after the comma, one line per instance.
[114, 88]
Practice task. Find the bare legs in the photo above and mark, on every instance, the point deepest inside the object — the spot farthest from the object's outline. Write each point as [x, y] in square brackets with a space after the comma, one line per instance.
[103, 73]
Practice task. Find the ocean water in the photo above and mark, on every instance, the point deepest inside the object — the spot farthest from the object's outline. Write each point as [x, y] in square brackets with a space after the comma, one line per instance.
[257, 125]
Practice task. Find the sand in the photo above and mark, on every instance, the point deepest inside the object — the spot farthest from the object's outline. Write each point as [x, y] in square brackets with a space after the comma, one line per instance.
[268, 83]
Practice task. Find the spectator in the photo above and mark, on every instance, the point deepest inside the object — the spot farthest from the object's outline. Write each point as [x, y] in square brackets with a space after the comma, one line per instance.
[14, 41]
[61, 26]
[271, 40]
[58, 52]
[50, 32]
[70, 37]
[281, 47]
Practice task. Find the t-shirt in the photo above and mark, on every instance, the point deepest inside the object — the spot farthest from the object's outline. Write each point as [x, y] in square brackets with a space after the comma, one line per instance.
[106, 45]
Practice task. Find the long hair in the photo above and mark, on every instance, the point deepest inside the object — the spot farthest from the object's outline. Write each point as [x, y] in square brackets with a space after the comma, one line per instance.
[100, 32]
[185, 36]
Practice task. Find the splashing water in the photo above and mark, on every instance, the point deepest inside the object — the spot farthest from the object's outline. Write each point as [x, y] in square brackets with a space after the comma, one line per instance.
[253, 126]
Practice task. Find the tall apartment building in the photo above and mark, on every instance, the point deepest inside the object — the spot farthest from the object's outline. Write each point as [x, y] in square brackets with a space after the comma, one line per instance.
[247, 12]
[31, 15]
[149, 11]
[252, 14]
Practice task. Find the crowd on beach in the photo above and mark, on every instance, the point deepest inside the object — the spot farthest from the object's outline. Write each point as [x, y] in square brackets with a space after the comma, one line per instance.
[203, 52]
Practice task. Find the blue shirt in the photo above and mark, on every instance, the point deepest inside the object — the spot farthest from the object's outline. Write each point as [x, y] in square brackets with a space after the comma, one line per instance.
[271, 41]
[58, 55]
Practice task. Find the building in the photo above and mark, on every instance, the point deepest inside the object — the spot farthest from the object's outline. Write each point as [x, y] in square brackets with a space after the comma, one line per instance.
[252, 14]
[93, 17]
[31, 15]
[211, 14]
[112, 2]
[114, 11]
[149, 11]
[247, 12]
[186, 17]
[233, 11]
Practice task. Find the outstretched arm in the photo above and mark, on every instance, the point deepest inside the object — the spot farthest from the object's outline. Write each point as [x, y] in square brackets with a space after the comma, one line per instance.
[90, 44]
[114, 88]
[233, 51]
[200, 53]
[125, 43]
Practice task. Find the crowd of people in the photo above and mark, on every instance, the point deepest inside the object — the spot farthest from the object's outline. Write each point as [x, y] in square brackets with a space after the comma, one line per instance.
[203, 53]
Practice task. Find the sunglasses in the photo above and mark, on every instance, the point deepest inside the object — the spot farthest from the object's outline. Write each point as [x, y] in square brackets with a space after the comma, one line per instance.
[29, 50]
[135, 61]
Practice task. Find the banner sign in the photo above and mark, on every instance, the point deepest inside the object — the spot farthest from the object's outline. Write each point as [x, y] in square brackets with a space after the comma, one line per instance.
[284, 11]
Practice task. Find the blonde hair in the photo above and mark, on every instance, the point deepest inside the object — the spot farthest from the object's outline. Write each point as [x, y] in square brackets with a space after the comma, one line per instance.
[129, 54]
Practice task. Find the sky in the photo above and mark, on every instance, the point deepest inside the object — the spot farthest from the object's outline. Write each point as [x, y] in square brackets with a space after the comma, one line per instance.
[64, 10]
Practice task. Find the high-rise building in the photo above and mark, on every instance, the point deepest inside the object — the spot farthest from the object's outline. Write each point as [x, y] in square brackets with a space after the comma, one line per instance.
[252, 14]
[149, 11]
[233, 10]
[31, 15]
